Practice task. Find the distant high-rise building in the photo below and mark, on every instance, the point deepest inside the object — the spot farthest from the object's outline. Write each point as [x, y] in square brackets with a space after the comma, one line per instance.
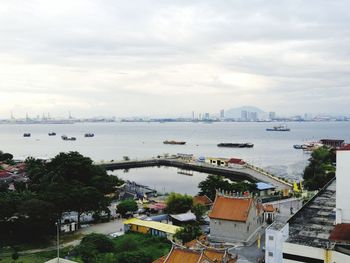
[200, 116]
[192, 115]
[272, 115]
[206, 116]
[222, 114]
[253, 116]
[244, 115]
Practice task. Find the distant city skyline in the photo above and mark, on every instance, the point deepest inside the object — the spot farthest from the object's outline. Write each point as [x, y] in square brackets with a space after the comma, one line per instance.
[146, 57]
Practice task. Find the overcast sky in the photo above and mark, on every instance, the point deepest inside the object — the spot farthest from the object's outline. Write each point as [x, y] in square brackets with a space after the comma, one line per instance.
[125, 58]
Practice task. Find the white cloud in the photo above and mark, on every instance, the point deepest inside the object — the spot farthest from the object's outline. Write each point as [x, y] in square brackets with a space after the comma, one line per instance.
[148, 56]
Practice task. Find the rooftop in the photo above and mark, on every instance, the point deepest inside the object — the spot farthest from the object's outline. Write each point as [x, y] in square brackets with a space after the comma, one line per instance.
[264, 186]
[231, 208]
[341, 233]
[313, 223]
[202, 199]
[154, 225]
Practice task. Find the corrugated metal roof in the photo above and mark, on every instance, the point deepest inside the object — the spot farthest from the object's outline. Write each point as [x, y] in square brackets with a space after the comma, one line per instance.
[264, 186]
[231, 208]
[184, 217]
[171, 229]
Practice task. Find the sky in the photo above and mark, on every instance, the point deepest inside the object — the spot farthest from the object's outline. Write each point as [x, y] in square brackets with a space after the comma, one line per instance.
[140, 58]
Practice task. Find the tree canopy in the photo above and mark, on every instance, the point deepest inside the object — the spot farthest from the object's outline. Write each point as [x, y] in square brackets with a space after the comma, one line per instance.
[321, 168]
[178, 203]
[213, 183]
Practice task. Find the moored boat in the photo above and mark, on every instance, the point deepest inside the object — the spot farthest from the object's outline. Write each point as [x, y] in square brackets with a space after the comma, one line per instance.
[89, 135]
[174, 142]
[26, 134]
[52, 134]
[236, 145]
[278, 128]
[66, 138]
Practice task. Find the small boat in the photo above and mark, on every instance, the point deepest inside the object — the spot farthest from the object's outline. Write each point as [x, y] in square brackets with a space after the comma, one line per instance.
[236, 145]
[278, 128]
[52, 134]
[26, 134]
[66, 138]
[89, 135]
[174, 142]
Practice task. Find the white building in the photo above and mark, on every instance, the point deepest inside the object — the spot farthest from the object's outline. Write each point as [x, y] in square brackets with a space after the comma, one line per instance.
[320, 231]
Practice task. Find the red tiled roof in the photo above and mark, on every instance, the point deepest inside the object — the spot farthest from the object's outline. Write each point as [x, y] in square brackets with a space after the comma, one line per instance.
[346, 147]
[231, 208]
[4, 173]
[202, 199]
[341, 233]
[236, 161]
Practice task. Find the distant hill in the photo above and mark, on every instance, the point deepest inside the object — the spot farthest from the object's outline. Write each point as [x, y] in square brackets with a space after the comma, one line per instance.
[236, 112]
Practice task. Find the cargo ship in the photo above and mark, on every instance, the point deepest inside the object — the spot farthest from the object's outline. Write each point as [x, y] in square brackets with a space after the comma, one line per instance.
[174, 142]
[279, 128]
[236, 145]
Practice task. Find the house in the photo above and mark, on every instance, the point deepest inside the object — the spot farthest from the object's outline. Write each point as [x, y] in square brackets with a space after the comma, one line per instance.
[150, 227]
[236, 163]
[217, 161]
[203, 200]
[235, 219]
[183, 219]
[265, 189]
[180, 254]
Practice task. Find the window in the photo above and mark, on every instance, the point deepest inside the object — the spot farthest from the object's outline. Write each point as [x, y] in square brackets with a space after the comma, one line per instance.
[271, 238]
[270, 254]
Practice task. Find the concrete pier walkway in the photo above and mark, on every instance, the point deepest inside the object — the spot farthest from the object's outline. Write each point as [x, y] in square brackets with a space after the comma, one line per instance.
[248, 171]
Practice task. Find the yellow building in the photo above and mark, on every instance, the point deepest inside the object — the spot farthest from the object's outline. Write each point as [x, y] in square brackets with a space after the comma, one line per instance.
[150, 227]
[217, 161]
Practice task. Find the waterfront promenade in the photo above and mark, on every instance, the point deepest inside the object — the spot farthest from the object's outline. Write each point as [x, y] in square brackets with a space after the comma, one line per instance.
[248, 171]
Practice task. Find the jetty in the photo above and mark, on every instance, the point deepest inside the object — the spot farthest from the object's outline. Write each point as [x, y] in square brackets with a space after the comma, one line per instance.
[248, 171]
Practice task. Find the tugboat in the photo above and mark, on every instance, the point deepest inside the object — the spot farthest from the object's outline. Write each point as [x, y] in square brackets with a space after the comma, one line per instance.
[236, 145]
[26, 134]
[66, 138]
[174, 142]
[89, 135]
[278, 128]
[52, 134]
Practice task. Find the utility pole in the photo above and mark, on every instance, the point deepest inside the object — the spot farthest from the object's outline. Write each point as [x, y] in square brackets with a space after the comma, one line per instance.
[58, 240]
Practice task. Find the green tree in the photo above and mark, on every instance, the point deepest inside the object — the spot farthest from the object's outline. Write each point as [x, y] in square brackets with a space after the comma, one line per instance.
[188, 233]
[125, 206]
[199, 210]
[320, 169]
[178, 203]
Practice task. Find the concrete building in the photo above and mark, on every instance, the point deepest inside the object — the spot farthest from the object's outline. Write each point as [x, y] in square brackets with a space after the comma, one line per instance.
[234, 219]
[222, 114]
[244, 115]
[320, 231]
[150, 227]
[272, 115]
[343, 186]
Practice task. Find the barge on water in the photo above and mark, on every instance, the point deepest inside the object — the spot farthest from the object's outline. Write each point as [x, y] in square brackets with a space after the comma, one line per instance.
[174, 142]
[236, 145]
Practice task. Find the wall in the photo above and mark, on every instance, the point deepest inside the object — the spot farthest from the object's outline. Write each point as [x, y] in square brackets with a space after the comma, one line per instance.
[302, 251]
[274, 239]
[343, 186]
[234, 231]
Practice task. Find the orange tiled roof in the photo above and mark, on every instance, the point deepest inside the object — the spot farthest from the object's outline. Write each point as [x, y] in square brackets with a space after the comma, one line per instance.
[178, 255]
[231, 208]
[202, 199]
[269, 208]
[208, 255]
